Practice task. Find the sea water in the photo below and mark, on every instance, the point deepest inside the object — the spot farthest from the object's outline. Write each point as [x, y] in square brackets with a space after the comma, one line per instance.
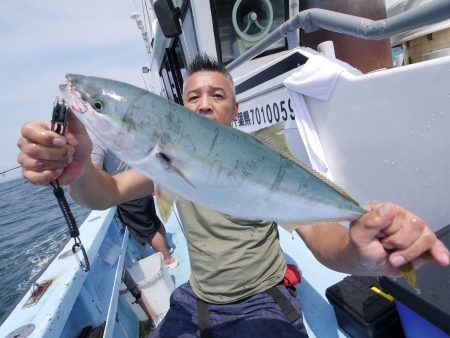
[32, 231]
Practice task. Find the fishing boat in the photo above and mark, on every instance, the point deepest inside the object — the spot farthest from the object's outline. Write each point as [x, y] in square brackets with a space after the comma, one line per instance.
[382, 129]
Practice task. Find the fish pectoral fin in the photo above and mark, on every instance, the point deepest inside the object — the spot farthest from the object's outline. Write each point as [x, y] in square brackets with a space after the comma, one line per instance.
[165, 201]
[165, 160]
[179, 173]
[167, 164]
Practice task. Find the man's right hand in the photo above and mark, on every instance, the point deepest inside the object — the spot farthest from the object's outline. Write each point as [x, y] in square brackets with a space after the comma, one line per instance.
[46, 155]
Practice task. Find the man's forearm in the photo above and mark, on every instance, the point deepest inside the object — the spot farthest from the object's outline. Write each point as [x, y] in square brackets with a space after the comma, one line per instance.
[97, 189]
[94, 188]
[331, 246]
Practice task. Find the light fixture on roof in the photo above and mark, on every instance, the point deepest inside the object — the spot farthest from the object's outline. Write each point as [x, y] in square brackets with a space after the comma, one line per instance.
[135, 15]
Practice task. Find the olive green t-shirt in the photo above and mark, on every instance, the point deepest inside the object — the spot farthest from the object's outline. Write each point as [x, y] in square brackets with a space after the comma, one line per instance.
[230, 258]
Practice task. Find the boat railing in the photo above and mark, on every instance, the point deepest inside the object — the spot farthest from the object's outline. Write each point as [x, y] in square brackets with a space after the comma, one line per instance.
[314, 19]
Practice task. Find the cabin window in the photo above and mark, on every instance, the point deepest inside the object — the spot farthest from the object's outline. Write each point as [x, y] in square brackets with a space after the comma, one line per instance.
[176, 58]
[173, 71]
[189, 39]
[240, 24]
[177, 3]
[168, 80]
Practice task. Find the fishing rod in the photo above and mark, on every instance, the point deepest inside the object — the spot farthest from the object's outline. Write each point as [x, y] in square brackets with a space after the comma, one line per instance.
[10, 169]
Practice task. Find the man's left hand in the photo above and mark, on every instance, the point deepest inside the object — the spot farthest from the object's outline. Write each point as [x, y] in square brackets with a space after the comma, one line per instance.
[389, 236]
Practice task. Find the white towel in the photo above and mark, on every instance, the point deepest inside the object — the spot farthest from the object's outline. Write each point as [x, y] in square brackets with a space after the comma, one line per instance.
[316, 78]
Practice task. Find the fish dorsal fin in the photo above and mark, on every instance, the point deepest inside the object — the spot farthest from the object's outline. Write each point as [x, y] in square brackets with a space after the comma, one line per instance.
[165, 201]
[271, 136]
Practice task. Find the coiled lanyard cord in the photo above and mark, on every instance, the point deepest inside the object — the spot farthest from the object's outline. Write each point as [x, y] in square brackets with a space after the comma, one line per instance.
[59, 123]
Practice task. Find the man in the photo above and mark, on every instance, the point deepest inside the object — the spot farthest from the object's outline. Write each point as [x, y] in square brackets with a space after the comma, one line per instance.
[138, 214]
[237, 265]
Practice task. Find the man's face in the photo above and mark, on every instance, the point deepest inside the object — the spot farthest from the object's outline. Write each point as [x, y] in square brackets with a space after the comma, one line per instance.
[209, 93]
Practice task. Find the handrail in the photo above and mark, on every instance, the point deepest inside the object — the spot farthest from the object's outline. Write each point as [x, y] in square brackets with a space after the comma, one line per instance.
[311, 20]
[111, 318]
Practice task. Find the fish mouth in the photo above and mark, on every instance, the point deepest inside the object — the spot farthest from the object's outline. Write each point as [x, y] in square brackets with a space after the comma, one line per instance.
[73, 95]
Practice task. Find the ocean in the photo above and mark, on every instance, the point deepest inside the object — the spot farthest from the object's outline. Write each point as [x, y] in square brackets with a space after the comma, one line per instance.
[32, 231]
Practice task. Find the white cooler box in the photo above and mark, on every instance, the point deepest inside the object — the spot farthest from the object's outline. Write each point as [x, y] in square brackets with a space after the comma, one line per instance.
[154, 282]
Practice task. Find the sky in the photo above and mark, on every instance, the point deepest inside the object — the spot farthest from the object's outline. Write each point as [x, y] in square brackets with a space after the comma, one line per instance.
[41, 41]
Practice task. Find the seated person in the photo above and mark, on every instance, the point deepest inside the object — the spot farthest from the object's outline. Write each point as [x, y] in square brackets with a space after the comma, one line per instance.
[138, 214]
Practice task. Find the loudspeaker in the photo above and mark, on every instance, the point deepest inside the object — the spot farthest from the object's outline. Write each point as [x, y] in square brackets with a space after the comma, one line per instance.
[252, 19]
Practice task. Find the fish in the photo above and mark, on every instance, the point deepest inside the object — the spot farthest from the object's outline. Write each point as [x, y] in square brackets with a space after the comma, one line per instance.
[187, 155]
[249, 176]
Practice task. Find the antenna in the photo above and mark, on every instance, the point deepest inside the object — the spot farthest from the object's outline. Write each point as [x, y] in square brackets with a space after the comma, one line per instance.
[137, 17]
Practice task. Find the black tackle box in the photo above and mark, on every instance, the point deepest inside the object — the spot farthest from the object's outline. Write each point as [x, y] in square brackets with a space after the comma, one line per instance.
[363, 310]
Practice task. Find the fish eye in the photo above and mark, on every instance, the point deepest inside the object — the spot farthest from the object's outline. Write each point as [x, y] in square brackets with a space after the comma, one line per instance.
[98, 105]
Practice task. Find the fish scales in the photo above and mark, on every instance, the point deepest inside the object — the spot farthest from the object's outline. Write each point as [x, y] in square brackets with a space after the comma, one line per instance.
[201, 160]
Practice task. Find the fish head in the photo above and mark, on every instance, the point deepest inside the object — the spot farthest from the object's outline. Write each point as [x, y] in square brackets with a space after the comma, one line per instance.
[103, 96]
[108, 110]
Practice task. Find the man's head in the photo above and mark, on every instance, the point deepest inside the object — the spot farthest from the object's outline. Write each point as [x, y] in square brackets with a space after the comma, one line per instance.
[209, 90]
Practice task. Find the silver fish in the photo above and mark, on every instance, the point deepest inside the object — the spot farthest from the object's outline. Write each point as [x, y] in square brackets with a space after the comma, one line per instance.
[186, 154]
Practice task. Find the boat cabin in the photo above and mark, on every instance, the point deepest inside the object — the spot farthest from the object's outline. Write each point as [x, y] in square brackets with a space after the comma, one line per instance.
[376, 122]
